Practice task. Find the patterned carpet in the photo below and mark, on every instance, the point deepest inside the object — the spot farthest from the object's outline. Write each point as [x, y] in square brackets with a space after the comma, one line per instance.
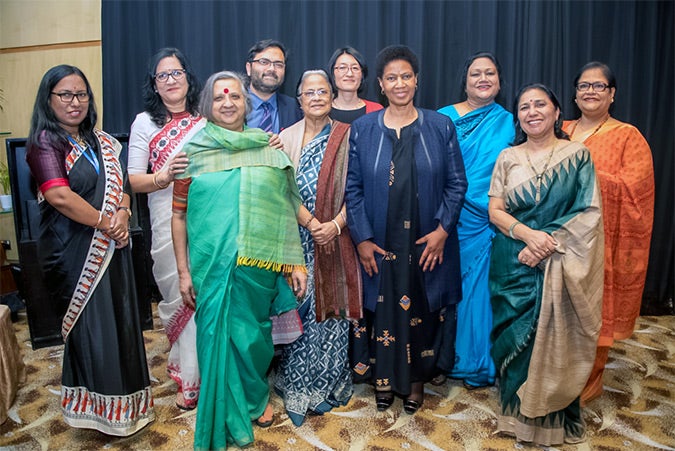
[637, 411]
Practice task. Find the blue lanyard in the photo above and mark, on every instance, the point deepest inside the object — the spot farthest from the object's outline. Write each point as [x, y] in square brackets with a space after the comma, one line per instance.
[88, 153]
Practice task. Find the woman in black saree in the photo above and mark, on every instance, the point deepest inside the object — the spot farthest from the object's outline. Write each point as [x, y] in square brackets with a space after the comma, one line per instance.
[83, 250]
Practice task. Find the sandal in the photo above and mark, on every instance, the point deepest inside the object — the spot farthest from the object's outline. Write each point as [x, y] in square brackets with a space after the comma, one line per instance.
[411, 406]
[413, 402]
[180, 399]
[265, 423]
[383, 400]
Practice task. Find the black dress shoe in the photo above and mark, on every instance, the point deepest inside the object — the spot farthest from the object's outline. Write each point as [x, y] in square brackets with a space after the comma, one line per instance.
[383, 400]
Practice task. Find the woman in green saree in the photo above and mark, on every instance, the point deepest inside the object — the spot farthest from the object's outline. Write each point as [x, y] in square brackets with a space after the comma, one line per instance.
[546, 274]
[235, 209]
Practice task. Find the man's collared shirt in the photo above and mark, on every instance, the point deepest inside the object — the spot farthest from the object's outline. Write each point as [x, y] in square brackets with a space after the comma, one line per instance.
[255, 116]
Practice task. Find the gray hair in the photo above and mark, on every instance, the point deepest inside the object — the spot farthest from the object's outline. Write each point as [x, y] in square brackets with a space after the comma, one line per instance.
[307, 73]
[206, 97]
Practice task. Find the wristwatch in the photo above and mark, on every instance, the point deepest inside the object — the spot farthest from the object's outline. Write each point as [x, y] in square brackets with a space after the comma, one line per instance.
[127, 209]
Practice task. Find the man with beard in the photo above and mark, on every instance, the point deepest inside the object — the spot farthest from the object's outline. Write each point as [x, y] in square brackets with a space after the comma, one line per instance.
[266, 68]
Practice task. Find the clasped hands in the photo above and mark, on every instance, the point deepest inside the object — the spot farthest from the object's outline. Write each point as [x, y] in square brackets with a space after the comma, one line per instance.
[539, 245]
[431, 256]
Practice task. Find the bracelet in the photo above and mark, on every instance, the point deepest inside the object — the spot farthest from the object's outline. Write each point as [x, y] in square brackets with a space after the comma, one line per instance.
[156, 183]
[100, 218]
[125, 209]
[343, 216]
[306, 225]
[513, 226]
[336, 225]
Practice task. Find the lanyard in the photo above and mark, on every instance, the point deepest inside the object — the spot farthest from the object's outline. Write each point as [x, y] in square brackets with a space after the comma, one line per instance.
[88, 153]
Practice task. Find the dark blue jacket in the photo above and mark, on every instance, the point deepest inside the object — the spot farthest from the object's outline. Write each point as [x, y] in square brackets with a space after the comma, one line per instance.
[441, 186]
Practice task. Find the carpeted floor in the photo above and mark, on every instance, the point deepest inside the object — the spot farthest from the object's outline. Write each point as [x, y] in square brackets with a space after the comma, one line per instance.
[636, 412]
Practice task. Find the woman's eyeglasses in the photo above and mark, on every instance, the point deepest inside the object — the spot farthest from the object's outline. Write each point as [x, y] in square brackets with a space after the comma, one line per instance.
[67, 97]
[176, 74]
[598, 86]
[343, 69]
[318, 93]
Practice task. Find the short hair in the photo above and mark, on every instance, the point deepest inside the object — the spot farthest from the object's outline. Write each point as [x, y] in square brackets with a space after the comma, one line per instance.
[396, 52]
[521, 136]
[469, 61]
[206, 97]
[306, 74]
[265, 44]
[604, 68]
[330, 68]
[152, 102]
[43, 117]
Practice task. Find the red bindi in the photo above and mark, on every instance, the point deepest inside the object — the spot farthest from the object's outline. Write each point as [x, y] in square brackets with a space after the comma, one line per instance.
[225, 91]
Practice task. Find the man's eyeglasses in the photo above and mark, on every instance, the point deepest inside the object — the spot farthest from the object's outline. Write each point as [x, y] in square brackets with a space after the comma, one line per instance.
[176, 74]
[264, 62]
[343, 69]
[318, 93]
[598, 86]
[67, 97]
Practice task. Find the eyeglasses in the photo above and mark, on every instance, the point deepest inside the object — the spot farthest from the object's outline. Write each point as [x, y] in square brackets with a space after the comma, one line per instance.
[343, 69]
[176, 74]
[264, 62]
[598, 86]
[318, 93]
[67, 97]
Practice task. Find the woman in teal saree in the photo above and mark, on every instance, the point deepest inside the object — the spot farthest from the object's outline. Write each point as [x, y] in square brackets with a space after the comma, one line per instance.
[235, 209]
[546, 274]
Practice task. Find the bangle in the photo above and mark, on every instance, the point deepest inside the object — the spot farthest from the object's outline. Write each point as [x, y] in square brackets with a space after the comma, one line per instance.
[100, 218]
[306, 225]
[513, 226]
[156, 183]
[344, 217]
[336, 225]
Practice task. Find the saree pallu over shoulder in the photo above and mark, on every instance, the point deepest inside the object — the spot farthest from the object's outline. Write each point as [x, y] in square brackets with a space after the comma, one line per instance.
[171, 137]
[263, 241]
[560, 317]
[101, 249]
[337, 274]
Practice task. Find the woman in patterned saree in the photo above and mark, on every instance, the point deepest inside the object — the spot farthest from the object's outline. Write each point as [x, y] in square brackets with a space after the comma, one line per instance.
[83, 250]
[484, 128]
[623, 161]
[314, 373]
[235, 207]
[545, 274]
[170, 119]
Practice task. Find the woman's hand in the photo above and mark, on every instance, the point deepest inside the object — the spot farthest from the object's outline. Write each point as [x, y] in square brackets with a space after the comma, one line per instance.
[119, 228]
[187, 290]
[367, 250]
[526, 257]
[299, 279]
[540, 244]
[275, 141]
[433, 252]
[175, 165]
[323, 233]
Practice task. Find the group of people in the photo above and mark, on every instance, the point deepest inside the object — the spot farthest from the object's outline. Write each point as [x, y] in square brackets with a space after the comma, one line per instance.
[408, 245]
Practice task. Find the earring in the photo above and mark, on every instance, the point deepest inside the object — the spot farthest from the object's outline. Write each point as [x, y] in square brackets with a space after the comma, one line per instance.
[612, 99]
[382, 91]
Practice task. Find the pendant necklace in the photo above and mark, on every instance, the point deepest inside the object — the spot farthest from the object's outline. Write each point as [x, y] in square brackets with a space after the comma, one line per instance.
[539, 175]
[574, 127]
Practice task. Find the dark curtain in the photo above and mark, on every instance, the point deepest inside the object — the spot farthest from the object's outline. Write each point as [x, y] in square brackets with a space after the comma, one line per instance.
[535, 41]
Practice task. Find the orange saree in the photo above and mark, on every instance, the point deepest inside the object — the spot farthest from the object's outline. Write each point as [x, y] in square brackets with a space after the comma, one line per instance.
[623, 163]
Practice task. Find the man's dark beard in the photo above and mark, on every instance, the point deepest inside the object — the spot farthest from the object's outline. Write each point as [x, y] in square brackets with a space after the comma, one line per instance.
[260, 87]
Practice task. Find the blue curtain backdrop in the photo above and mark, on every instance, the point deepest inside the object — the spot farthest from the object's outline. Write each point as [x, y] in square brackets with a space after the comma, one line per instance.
[535, 41]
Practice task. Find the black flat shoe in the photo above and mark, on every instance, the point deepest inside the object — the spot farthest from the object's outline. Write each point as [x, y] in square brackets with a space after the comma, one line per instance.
[264, 424]
[384, 400]
[411, 406]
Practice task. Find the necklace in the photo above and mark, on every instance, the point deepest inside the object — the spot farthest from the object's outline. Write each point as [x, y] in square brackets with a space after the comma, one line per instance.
[574, 127]
[539, 175]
